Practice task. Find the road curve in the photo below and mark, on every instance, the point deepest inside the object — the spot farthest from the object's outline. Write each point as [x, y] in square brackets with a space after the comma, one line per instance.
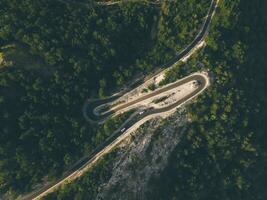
[89, 106]
[110, 3]
[171, 86]
[117, 136]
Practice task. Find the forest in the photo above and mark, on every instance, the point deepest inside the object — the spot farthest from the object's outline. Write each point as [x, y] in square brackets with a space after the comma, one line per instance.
[53, 56]
[223, 153]
[86, 187]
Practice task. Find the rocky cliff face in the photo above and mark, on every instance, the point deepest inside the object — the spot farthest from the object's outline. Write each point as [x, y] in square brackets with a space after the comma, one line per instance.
[142, 157]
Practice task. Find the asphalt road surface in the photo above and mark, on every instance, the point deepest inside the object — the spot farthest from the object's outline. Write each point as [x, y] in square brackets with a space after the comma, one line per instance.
[202, 83]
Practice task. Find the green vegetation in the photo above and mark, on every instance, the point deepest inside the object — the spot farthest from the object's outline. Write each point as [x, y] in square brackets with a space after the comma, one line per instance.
[86, 187]
[178, 23]
[109, 127]
[152, 87]
[145, 90]
[224, 151]
[54, 55]
[160, 99]
[61, 54]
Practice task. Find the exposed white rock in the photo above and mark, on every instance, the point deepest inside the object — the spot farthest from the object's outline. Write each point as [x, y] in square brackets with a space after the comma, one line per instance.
[142, 157]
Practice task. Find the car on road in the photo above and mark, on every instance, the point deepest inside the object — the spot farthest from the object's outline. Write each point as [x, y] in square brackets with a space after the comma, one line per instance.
[140, 113]
[123, 129]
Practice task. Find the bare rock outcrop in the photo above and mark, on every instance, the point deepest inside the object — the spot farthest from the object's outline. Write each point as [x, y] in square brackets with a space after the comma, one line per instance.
[145, 155]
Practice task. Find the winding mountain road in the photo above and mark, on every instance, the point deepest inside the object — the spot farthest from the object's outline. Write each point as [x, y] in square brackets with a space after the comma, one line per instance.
[110, 3]
[136, 119]
[90, 105]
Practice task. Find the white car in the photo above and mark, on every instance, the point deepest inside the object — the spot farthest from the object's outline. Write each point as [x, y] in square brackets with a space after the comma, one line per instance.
[140, 113]
[123, 129]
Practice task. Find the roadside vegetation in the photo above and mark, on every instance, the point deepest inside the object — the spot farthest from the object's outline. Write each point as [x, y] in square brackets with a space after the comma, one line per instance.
[161, 99]
[53, 56]
[223, 154]
[73, 51]
[87, 186]
[111, 125]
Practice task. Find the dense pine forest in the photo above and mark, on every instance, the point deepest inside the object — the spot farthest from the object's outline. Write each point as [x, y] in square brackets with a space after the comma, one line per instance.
[223, 153]
[54, 55]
